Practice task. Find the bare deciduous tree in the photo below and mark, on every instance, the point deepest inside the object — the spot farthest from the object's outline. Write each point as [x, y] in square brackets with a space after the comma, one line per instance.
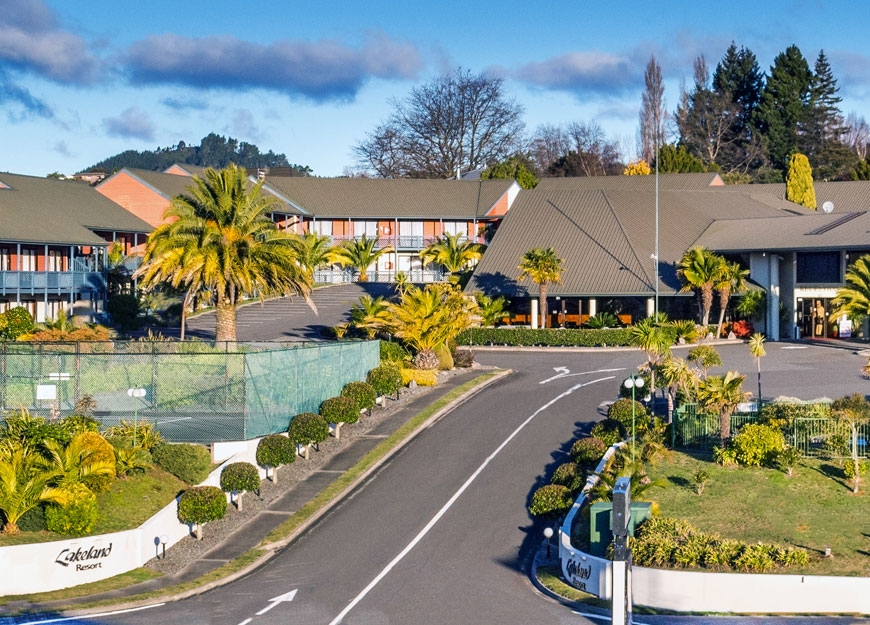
[857, 134]
[653, 111]
[455, 123]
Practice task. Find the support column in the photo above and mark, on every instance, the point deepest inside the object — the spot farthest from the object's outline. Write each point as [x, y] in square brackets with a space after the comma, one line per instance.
[535, 314]
[773, 297]
[593, 307]
[650, 306]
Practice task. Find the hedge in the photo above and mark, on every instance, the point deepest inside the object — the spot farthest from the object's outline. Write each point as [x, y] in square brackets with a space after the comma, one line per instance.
[548, 337]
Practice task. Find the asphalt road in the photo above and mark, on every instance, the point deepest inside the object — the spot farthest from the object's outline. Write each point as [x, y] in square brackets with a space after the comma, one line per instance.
[441, 533]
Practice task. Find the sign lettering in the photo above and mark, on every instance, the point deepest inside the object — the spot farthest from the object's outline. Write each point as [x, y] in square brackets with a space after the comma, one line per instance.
[81, 557]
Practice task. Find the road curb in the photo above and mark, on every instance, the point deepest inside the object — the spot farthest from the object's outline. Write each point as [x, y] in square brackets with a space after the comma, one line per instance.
[273, 548]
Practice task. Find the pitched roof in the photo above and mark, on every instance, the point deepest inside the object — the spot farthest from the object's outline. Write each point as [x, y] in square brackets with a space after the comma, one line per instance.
[847, 196]
[607, 237]
[667, 182]
[42, 210]
[385, 198]
[809, 232]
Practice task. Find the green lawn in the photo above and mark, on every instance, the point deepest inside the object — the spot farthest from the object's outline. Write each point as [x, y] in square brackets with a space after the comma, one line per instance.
[813, 509]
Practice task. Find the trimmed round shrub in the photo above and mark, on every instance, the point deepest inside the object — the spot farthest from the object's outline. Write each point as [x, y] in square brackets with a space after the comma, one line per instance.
[189, 462]
[362, 394]
[102, 451]
[610, 431]
[77, 517]
[201, 504]
[620, 410]
[275, 450]
[385, 379]
[569, 475]
[587, 452]
[849, 468]
[551, 500]
[308, 429]
[240, 477]
[18, 321]
[393, 352]
[340, 410]
[757, 445]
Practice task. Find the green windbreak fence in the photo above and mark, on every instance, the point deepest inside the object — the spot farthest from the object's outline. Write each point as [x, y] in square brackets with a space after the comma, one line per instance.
[809, 427]
[192, 391]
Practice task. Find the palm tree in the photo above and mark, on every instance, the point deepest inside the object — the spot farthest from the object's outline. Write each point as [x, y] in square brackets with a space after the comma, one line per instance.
[699, 271]
[77, 463]
[313, 250]
[25, 482]
[454, 252]
[756, 348]
[732, 281]
[359, 254]
[854, 300]
[490, 309]
[704, 357]
[427, 318]
[722, 393]
[220, 238]
[543, 267]
[677, 376]
[655, 341]
[369, 314]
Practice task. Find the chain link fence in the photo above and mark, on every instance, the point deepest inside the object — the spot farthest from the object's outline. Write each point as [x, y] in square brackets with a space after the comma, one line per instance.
[193, 391]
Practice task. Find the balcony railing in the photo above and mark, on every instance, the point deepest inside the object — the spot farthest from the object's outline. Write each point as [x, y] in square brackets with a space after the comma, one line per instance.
[51, 282]
[401, 242]
[343, 276]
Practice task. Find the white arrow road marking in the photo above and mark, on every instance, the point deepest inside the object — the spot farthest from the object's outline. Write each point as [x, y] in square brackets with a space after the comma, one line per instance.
[350, 606]
[565, 372]
[287, 596]
[86, 616]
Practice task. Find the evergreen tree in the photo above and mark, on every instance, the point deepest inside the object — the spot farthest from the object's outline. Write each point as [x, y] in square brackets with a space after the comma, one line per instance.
[782, 114]
[799, 182]
[673, 160]
[830, 156]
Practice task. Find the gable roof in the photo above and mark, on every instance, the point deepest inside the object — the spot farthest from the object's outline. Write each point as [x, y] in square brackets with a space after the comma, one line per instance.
[43, 210]
[387, 198]
[607, 237]
[847, 195]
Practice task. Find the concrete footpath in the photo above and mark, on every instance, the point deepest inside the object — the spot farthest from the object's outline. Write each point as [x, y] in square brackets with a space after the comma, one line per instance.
[254, 531]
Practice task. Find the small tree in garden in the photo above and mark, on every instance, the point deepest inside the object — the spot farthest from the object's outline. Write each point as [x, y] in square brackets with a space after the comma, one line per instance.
[799, 181]
[362, 394]
[238, 478]
[852, 411]
[200, 505]
[386, 380]
[756, 348]
[24, 484]
[722, 393]
[551, 501]
[273, 451]
[308, 429]
[704, 357]
[339, 410]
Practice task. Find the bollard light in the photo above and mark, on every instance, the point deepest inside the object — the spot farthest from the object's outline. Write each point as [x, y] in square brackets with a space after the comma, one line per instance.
[163, 540]
[548, 534]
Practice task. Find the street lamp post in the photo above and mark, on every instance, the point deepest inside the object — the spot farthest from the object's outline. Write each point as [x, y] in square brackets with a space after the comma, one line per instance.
[633, 382]
[135, 393]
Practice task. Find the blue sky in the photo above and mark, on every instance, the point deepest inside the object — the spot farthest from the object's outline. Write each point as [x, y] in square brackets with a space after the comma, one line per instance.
[84, 80]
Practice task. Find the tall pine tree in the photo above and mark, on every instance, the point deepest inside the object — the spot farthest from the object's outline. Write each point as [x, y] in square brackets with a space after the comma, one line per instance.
[825, 143]
[782, 114]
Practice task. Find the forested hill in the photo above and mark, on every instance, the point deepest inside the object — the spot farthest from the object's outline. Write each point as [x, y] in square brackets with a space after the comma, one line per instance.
[213, 151]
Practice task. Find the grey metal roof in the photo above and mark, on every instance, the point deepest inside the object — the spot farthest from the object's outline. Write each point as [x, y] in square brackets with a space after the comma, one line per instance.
[811, 232]
[667, 182]
[386, 198]
[607, 238]
[847, 196]
[43, 210]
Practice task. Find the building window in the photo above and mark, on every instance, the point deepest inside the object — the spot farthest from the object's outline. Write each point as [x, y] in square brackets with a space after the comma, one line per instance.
[4, 259]
[54, 262]
[28, 260]
[818, 268]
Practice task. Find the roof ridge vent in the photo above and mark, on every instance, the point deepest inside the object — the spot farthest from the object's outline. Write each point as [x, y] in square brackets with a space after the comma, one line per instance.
[837, 223]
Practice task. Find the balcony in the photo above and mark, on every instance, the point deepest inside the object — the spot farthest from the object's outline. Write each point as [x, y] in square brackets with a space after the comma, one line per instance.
[401, 242]
[50, 282]
[343, 276]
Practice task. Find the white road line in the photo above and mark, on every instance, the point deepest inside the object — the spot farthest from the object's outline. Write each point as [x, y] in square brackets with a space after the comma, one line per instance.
[568, 374]
[87, 616]
[246, 621]
[337, 620]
